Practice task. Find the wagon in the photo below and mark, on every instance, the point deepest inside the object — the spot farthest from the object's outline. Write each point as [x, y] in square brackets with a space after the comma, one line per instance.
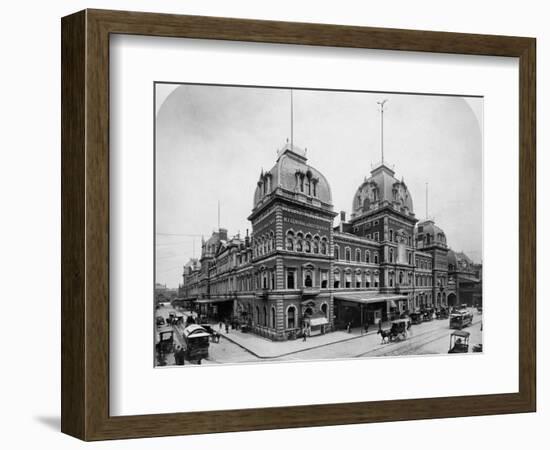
[459, 342]
[165, 340]
[416, 318]
[399, 328]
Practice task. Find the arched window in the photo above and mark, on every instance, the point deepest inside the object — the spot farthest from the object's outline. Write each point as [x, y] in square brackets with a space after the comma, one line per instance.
[348, 254]
[336, 279]
[324, 246]
[391, 235]
[358, 255]
[290, 243]
[367, 256]
[273, 317]
[358, 279]
[308, 244]
[367, 279]
[316, 245]
[257, 315]
[375, 257]
[324, 309]
[376, 279]
[391, 255]
[336, 252]
[291, 317]
[264, 322]
[400, 277]
[299, 243]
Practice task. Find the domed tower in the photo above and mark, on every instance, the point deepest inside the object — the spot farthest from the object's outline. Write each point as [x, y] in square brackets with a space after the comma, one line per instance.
[431, 239]
[292, 178]
[382, 189]
[292, 231]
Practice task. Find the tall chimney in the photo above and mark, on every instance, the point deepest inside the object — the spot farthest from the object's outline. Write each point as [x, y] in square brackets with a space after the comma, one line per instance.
[342, 220]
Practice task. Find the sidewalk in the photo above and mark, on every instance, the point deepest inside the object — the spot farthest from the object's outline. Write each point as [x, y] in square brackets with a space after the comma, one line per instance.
[266, 348]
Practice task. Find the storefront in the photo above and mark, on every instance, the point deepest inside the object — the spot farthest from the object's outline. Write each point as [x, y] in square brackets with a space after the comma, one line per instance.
[316, 324]
[361, 308]
[217, 309]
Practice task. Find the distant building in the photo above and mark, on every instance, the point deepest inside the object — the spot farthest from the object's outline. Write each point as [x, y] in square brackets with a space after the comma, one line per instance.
[164, 294]
[296, 269]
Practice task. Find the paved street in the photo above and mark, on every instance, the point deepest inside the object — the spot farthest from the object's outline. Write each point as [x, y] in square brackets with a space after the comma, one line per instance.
[425, 338]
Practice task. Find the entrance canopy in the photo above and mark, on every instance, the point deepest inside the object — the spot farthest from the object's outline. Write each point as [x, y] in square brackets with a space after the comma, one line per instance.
[368, 297]
[317, 319]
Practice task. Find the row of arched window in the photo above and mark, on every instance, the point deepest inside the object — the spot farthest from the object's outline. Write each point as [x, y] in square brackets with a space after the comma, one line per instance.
[306, 243]
[264, 244]
[365, 257]
[423, 264]
[424, 280]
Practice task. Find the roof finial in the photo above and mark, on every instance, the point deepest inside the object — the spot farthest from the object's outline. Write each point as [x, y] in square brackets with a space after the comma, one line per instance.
[381, 104]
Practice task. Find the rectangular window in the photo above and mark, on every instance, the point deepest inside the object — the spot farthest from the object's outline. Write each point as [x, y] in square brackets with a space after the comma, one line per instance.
[290, 279]
[324, 279]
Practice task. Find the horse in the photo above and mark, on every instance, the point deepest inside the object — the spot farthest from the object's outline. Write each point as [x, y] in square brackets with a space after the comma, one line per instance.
[386, 335]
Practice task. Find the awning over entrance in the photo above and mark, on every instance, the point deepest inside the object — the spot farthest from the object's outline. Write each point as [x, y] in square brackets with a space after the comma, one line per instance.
[318, 321]
[368, 297]
[203, 301]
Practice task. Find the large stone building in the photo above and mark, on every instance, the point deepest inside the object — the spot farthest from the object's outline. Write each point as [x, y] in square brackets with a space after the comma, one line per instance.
[297, 269]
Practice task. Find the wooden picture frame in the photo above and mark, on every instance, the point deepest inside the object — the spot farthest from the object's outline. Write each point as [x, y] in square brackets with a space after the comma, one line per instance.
[85, 224]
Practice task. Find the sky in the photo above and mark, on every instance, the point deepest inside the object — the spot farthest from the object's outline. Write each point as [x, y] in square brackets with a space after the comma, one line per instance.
[212, 142]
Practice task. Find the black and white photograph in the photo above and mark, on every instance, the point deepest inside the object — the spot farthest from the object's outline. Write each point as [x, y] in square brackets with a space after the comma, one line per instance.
[296, 224]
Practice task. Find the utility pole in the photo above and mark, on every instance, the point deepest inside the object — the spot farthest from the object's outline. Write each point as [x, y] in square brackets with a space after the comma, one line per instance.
[291, 119]
[426, 200]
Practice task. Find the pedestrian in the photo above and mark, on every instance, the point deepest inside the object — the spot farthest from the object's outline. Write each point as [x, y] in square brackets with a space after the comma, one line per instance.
[221, 324]
[366, 327]
[226, 328]
[349, 327]
[179, 356]
[304, 335]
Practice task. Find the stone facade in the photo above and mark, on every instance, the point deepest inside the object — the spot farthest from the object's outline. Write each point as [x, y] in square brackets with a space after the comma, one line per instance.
[297, 271]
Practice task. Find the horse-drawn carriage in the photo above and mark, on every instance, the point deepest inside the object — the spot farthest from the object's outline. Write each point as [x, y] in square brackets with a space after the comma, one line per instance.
[459, 342]
[416, 317]
[197, 341]
[442, 313]
[165, 340]
[397, 331]
[427, 314]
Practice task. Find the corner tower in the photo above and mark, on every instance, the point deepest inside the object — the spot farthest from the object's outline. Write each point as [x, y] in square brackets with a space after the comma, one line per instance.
[292, 240]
